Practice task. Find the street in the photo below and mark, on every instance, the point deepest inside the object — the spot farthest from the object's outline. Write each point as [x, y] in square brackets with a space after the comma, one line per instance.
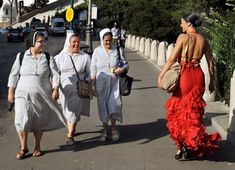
[145, 142]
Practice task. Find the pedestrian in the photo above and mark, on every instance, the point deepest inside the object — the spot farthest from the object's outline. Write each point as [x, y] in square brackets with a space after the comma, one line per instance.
[185, 108]
[123, 37]
[33, 87]
[73, 106]
[105, 71]
[116, 33]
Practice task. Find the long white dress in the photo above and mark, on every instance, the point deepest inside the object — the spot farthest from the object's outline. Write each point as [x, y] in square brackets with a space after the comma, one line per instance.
[33, 82]
[107, 83]
[73, 106]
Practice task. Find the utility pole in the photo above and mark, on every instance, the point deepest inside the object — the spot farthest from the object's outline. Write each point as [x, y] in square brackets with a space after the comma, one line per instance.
[71, 23]
[89, 29]
[11, 4]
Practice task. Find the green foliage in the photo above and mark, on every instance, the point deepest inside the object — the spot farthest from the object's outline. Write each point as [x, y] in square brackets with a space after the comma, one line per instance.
[159, 20]
[221, 36]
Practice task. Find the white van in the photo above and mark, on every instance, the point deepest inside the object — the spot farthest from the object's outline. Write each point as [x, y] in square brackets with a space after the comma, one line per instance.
[57, 26]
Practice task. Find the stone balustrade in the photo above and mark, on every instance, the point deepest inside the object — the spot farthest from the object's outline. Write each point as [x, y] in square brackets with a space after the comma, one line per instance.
[232, 105]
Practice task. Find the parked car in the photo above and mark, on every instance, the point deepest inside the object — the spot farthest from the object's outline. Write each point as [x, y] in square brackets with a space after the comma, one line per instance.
[3, 31]
[57, 27]
[43, 30]
[15, 35]
[27, 31]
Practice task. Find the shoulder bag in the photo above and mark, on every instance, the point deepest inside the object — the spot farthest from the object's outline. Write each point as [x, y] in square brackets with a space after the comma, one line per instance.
[125, 81]
[83, 86]
[171, 78]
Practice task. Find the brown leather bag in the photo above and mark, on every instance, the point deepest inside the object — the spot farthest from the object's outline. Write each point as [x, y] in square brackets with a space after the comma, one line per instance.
[170, 80]
[83, 86]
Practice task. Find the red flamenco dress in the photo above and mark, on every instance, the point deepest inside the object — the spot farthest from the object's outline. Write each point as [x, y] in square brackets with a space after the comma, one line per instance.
[185, 110]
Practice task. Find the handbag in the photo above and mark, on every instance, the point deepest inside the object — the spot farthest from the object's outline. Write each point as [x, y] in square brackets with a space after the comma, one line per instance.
[125, 81]
[170, 80]
[83, 86]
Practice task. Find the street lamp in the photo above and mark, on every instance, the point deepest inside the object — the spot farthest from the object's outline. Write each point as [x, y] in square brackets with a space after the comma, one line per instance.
[89, 29]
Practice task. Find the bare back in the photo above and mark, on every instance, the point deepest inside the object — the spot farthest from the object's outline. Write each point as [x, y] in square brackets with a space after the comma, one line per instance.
[196, 47]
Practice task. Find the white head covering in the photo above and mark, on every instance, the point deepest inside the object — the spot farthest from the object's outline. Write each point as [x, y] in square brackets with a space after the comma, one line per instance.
[102, 32]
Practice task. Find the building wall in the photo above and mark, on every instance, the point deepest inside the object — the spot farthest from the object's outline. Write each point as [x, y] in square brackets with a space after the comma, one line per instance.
[5, 13]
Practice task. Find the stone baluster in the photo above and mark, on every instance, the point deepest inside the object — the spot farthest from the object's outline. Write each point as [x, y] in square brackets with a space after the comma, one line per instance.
[232, 105]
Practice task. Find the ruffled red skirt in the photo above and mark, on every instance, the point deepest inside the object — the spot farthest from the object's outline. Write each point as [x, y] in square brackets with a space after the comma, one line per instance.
[185, 110]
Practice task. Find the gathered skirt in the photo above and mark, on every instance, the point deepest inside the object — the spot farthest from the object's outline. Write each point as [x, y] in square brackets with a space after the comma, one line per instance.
[185, 111]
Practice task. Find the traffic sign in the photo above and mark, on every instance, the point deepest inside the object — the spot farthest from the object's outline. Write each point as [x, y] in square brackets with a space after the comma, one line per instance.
[69, 14]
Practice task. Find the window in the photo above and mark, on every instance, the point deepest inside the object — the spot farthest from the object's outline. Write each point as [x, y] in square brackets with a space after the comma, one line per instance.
[6, 11]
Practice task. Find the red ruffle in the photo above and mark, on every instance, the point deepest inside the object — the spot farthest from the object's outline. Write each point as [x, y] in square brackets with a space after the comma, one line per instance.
[184, 121]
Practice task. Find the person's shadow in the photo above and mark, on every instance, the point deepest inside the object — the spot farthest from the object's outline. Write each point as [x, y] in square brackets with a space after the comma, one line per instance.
[145, 133]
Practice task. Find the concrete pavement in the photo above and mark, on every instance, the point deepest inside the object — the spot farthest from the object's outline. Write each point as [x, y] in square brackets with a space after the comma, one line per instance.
[145, 143]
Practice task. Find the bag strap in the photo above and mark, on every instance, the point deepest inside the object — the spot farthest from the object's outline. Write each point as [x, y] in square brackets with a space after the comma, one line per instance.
[75, 68]
[46, 53]
[48, 58]
[118, 50]
[21, 57]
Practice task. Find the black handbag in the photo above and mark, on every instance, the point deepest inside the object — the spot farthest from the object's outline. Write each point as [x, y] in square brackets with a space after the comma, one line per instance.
[83, 86]
[125, 81]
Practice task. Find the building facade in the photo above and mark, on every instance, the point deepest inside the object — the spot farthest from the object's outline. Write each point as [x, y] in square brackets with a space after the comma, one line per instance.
[5, 13]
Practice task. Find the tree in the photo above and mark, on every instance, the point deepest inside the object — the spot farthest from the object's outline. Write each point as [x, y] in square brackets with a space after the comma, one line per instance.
[1, 1]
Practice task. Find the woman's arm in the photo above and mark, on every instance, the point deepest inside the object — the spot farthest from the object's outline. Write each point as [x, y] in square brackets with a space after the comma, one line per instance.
[13, 79]
[93, 67]
[125, 66]
[211, 66]
[55, 78]
[172, 59]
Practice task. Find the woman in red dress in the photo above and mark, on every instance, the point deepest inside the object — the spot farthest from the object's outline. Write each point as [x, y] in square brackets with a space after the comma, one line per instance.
[186, 106]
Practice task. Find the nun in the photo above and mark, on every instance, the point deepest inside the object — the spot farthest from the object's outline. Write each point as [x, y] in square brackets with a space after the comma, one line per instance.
[70, 60]
[33, 86]
[105, 71]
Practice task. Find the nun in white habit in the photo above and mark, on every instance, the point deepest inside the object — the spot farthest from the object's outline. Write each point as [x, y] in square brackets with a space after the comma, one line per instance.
[105, 73]
[73, 106]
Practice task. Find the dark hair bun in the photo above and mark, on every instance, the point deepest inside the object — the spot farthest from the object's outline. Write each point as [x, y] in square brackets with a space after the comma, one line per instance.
[198, 22]
[194, 19]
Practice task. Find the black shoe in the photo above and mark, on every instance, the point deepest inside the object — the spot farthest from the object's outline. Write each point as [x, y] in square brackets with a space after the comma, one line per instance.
[185, 152]
[179, 155]
[188, 154]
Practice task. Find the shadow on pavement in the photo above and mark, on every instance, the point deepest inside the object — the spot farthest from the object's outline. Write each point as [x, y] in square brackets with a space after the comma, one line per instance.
[143, 88]
[224, 154]
[147, 132]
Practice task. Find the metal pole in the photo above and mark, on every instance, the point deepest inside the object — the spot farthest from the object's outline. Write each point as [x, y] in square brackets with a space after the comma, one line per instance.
[71, 23]
[89, 29]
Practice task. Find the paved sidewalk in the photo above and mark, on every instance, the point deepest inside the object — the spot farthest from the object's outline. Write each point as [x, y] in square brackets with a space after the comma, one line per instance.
[145, 143]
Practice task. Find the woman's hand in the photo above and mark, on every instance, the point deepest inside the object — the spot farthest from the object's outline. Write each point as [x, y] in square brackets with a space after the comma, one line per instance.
[55, 94]
[119, 70]
[159, 82]
[93, 87]
[11, 95]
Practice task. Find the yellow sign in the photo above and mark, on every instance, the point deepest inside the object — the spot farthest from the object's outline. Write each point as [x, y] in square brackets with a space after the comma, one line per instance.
[69, 14]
